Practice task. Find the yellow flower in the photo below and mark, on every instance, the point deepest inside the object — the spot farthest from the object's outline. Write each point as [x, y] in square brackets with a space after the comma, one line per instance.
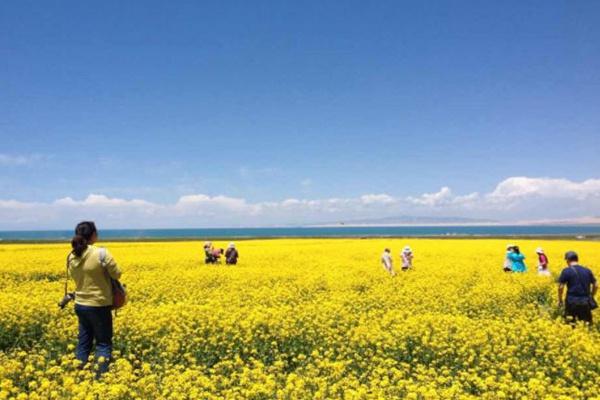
[303, 318]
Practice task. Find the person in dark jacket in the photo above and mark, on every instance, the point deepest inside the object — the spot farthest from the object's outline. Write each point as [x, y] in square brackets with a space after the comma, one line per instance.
[231, 255]
[581, 288]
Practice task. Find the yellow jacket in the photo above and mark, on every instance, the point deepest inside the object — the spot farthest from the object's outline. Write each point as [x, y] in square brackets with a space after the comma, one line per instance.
[92, 279]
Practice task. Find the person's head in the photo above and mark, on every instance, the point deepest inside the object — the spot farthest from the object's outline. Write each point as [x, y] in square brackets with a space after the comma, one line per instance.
[386, 250]
[407, 249]
[510, 247]
[85, 234]
[232, 245]
[516, 249]
[539, 250]
[571, 257]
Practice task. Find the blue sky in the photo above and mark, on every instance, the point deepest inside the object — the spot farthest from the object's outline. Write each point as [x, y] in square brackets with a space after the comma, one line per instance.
[268, 101]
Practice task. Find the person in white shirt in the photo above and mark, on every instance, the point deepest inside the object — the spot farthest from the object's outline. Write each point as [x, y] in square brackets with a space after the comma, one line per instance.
[507, 267]
[386, 261]
[407, 257]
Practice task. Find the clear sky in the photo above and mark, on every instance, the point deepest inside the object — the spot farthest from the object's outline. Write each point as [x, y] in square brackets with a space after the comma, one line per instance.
[260, 102]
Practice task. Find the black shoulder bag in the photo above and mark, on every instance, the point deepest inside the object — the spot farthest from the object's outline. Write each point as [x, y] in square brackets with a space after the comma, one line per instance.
[590, 299]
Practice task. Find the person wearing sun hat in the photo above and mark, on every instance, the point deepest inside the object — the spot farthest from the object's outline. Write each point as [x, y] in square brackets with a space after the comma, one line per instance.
[407, 257]
[542, 262]
[231, 255]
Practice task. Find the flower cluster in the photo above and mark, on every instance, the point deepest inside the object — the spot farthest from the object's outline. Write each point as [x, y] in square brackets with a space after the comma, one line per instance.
[304, 319]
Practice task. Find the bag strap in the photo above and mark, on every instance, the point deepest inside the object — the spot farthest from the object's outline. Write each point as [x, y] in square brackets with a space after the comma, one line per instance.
[580, 282]
[67, 274]
[102, 256]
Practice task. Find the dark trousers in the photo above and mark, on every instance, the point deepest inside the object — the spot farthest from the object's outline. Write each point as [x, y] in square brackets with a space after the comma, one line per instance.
[578, 312]
[95, 323]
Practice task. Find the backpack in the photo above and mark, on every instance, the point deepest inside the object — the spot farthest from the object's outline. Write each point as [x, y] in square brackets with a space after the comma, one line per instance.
[119, 292]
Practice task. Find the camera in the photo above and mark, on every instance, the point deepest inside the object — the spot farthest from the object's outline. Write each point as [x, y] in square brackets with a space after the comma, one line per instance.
[65, 300]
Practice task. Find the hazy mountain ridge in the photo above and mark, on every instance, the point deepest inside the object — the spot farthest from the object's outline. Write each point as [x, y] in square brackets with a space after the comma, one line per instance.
[408, 220]
[449, 221]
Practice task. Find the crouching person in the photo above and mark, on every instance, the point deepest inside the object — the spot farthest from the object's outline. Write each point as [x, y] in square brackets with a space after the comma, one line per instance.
[92, 268]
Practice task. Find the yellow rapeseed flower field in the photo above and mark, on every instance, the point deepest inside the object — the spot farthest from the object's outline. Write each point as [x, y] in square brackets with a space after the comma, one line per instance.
[304, 319]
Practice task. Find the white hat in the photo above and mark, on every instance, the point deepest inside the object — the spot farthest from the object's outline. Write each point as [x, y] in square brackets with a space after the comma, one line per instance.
[232, 245]
[407, 249]
[206, 244]
[539, 250]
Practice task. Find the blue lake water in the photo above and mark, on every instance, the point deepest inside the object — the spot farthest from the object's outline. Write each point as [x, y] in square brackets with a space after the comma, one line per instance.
[212, 233]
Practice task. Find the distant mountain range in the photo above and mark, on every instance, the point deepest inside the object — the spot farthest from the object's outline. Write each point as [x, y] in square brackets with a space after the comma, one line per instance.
[406, 220]
[410, 220]
[565, 221]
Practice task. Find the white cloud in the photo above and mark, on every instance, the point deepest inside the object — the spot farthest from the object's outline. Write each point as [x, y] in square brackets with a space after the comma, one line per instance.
[520, 187]
[100, 200]
[515, 198]
[444, 195]
[377, 199]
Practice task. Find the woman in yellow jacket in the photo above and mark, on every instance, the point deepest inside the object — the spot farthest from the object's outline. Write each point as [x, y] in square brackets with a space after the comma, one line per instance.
[92, 267]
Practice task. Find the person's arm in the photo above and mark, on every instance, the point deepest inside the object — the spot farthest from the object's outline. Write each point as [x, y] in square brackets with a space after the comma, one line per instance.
[562, 280]
[561, 289]
[594, 285]
[111, 266]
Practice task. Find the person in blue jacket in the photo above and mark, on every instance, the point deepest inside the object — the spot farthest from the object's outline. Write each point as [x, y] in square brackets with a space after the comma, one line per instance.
[518, 265]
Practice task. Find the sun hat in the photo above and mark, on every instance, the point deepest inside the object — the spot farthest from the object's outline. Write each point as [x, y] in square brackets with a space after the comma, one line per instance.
[407, 249]
[539, 250]
[232, 245]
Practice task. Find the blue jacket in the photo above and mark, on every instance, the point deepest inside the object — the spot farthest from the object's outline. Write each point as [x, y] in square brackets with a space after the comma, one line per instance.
[517, 262]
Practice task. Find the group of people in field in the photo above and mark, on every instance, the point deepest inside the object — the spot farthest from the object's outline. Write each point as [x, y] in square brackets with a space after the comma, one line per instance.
[95, 272]
[515, 260]
[579, 281]
[213, 256]
[388, 263]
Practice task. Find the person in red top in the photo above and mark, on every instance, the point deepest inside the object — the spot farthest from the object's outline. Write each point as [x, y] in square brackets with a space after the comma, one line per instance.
[542, 262]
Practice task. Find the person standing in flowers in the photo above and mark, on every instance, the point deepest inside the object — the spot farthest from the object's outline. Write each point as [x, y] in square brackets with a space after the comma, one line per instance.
[93, 294]
[517, 260]
[231, 255]
[542, 262]
[387, 262]
[407, 258]
[507, 262]
[581, 289]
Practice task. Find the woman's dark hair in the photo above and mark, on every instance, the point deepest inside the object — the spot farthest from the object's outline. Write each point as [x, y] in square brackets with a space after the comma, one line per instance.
[516, 250]
[84, 231]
